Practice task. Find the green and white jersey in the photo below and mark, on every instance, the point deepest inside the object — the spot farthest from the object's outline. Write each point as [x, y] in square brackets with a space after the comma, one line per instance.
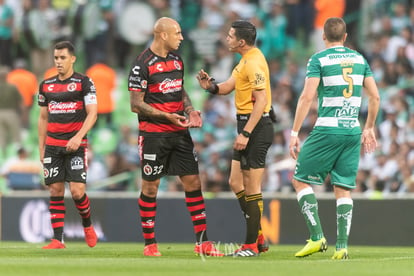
[342, 72]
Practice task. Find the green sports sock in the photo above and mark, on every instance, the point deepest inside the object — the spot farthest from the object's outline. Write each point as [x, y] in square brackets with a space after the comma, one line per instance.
[309, 208]
[344, 208]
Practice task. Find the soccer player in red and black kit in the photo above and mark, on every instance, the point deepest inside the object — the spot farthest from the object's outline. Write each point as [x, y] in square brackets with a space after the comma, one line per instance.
[68, 110]
[156, 85]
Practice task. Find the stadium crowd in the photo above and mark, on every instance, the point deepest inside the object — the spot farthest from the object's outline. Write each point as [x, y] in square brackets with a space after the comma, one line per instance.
[288, 32]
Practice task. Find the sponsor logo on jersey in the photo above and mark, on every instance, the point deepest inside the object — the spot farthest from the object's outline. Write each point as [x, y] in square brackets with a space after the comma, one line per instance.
[47, 160]
[50, 87]
[76, 163]
[59, 107]
[169, 86]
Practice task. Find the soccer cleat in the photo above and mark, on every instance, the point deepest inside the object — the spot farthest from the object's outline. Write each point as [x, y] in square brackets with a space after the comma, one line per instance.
[262, 244]
[90, 236]
[207, 248]
[54, 244]
[247, 250]
[313, 247]
[340, 254]
[152, 250]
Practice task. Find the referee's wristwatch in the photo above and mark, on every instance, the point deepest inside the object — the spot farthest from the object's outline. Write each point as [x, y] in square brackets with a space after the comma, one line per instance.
[245, 133]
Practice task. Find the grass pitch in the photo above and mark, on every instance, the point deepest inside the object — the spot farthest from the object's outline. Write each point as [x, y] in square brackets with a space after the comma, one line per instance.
[19, 258]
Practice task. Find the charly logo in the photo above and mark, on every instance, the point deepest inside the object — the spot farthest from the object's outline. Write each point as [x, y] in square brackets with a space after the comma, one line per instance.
[34, 224]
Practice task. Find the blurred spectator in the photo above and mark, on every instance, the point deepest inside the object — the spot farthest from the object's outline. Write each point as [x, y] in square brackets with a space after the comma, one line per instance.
[213, 14]
[97, 169]
[385, 127]
[275, 23]
[396, 42]
[127, 146]
[11, 106]
[245, 9]
[117, 164]
[104, 78]
[44, 28]
[223, 64]
[22, 172]
[6, 33]
[26, 83]
[382, 174]
[25, 41]
[205, 42]
[323, 10]
[91, 23]
[300, 19]
[399, 16]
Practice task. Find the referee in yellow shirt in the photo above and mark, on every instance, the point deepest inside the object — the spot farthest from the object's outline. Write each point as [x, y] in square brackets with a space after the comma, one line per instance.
[251, 82]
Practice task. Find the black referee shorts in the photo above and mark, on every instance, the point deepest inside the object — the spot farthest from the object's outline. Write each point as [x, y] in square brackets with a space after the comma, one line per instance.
[261, 138]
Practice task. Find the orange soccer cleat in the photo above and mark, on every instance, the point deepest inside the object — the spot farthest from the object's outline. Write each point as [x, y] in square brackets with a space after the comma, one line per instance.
[207, 248]
[54, 244]
[90, 236]
[152, 250]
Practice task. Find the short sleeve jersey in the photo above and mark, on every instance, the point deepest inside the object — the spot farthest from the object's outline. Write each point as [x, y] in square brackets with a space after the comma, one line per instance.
[252, 73]
[342, 72]
[66, 101]
[162, 80]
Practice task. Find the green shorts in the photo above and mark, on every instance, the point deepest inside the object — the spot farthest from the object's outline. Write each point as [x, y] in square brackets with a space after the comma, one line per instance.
[323, 154]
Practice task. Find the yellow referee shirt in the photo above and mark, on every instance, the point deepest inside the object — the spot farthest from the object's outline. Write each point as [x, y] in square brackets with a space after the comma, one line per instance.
[252, 73]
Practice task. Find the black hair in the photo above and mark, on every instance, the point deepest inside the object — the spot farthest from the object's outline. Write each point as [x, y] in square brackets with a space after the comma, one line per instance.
[65, 45]
[245, 30]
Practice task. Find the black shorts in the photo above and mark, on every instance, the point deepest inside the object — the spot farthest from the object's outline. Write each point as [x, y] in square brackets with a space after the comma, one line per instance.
[60, 165]
[261, 138]
[167, 156]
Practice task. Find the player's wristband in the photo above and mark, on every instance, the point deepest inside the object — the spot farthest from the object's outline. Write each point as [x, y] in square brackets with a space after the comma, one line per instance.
[294, 133]
[245, 133]
[213, 89]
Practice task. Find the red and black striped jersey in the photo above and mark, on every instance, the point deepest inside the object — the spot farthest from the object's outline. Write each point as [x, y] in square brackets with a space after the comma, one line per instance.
[66, 101]
[162, 80]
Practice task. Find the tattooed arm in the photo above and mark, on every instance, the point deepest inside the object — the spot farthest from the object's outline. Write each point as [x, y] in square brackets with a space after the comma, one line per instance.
[195, 115]
[142, 108]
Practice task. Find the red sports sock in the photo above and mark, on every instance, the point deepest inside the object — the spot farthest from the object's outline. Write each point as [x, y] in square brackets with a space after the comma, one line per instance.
[196, 206]
[84, 208]
[57, 216]
[148, 210]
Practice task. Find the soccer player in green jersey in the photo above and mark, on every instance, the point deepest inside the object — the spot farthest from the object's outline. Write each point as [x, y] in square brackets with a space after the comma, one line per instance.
[337, 76]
